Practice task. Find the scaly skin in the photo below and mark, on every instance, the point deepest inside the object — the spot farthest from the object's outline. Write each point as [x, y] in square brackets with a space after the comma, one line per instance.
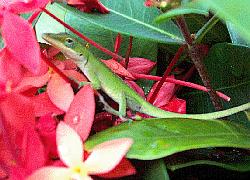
[101, 77]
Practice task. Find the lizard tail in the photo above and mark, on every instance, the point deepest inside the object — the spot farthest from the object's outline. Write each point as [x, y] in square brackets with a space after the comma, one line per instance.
[156, 112]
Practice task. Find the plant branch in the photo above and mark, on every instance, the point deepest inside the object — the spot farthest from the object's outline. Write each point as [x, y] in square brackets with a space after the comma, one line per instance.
[196, 56]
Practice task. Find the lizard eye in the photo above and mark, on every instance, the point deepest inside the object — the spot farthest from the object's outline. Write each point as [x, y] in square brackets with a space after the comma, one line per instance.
[69, 42]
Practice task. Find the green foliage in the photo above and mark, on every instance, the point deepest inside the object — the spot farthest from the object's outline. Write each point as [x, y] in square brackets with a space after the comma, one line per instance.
[242, 166]
[228, 66]
[1, 42]
[157, 138]
[155, 169]
[229, 69]
[177, 12]
[236, 12]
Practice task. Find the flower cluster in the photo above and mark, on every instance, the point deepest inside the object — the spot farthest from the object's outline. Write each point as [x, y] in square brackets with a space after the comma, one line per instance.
[39, 111]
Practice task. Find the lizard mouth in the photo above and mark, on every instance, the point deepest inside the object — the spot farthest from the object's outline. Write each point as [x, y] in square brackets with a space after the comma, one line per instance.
[48, 37]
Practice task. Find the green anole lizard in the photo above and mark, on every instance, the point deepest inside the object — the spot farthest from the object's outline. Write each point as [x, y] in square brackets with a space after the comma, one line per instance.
[101, 77]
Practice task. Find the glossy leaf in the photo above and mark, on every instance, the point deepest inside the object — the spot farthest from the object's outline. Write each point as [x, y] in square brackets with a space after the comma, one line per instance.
[229, 69]
[132, 21]
[242, 166]
[236, 38]
[156, 170]
[177, 12]
[236, 12]
[157, 138]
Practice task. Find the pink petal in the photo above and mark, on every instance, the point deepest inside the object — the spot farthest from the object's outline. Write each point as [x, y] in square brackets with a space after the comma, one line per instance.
[17, 172]
[175, 105]
[24, 7]
[117, 68]
[32, 153]
[6, 155]
[80, 115]
[17, 111]
[60, 92]
[69, 64]
[124, 168]
[69, 145]
[76, 2]
[33, 81]
[106, 156]
[89, 5]
[164, 95]
[134, 86]
[18, 122]
[3, 174]
[73, 74]
[43, 105]
[51, 173]
[46, 127]
[139, 65]
[20, 40]
[10, 70]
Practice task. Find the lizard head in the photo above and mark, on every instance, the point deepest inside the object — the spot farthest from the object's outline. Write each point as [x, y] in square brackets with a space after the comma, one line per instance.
[68, 45]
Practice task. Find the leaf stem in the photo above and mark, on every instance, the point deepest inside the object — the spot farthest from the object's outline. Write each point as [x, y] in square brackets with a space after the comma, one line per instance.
[196, 56]
[205, 29]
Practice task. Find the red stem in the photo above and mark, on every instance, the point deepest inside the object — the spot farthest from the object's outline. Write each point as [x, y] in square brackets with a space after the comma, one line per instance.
[166, 73]
[128, 51]
[179, 82]
[118, 41]
[98, 46]
[34, 16]
[186, 77]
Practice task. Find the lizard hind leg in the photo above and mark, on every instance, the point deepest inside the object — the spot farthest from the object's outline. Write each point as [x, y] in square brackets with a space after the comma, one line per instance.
[122, 107]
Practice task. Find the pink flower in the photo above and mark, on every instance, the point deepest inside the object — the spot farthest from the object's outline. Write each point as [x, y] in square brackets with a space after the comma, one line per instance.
[80, 115]
[21, 48]
[104, 157]
[89, 5]
[23, 141]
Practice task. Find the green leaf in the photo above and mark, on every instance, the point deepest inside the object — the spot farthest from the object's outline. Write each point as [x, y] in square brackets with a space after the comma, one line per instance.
[155, 170]
[242, 166]
[1, 42]
[130, 18]
[228, 158]
[236, 12]
[157, 138]
[177, 12]
[229, 69]
[46, 24]
[105, 37]
[235, 37]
